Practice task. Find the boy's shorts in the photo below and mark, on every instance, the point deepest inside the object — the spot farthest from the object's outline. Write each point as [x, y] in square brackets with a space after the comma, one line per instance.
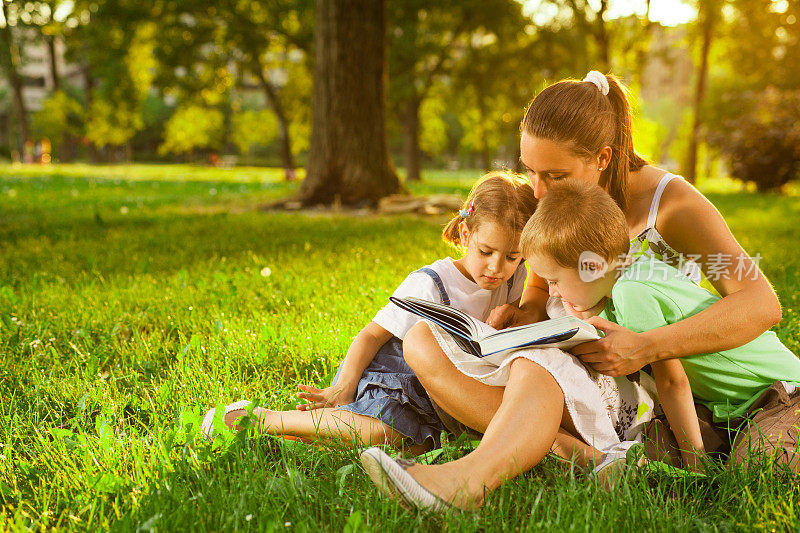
[770, 429]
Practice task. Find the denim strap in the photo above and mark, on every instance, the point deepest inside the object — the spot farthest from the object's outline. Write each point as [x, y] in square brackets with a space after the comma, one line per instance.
[439, 285]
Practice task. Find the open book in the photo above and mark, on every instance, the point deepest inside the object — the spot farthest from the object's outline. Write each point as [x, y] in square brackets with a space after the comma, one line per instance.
[482, 340]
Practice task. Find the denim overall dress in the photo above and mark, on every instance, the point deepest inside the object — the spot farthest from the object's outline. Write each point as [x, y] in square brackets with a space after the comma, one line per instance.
[390, 391]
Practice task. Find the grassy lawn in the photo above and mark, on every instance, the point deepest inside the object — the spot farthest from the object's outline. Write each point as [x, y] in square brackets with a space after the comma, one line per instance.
[132, 299]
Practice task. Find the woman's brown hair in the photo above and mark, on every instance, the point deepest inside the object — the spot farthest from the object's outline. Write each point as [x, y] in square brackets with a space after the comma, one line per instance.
[577, 113]
[502, 197]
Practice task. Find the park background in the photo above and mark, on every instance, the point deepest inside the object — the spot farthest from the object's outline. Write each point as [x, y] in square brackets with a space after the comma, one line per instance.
[147, 274]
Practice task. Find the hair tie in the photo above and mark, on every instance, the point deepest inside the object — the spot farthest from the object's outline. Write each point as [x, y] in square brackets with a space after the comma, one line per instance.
[599, 80]
[468, 211]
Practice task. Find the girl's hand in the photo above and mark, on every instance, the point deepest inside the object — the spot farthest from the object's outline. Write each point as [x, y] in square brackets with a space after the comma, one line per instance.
[619, 353]
[508, 315]
[328, 397]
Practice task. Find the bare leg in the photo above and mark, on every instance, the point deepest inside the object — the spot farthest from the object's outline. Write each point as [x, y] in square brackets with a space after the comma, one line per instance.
[330, 426]
[570, 447]
[519, 435]
[467, 400]
[521, 422]
[449, 388]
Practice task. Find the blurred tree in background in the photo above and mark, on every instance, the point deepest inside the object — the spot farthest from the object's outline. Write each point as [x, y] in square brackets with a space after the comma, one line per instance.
[120, 80]
[348, 157]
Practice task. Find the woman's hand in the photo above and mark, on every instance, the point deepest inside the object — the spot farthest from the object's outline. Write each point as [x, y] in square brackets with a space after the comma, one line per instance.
[509, 315]
[619, 353]
[331, 396]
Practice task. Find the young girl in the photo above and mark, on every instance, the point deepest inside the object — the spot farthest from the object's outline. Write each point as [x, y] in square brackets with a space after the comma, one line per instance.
[375, 397]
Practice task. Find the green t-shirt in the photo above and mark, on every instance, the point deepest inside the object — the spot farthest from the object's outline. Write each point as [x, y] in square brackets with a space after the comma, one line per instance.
[650, 294]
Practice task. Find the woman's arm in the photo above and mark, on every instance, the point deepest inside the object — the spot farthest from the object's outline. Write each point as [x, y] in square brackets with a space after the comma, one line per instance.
[749, 307]
[532, 307]
[360, 354]
[676, 399]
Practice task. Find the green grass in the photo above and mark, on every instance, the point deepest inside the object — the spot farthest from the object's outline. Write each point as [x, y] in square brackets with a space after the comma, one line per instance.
[132, 299]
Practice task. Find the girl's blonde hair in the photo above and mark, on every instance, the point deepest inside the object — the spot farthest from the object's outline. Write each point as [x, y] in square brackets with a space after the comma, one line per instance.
[579, 114]
[502, 197]
[576, 217]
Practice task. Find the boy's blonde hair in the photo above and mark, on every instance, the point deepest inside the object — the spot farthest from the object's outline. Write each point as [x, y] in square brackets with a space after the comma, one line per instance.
[575, 217]
[502, 197]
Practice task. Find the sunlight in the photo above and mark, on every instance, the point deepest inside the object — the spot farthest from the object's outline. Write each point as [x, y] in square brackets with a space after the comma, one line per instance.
[665, 12]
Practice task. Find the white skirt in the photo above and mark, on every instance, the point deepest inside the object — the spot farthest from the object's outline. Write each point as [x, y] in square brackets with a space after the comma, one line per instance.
[609, 413]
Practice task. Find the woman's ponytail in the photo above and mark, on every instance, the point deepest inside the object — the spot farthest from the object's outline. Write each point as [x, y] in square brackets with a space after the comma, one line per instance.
[624, 158]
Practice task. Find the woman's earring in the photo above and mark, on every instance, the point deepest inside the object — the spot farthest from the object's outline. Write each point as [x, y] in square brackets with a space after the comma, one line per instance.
[600, 169]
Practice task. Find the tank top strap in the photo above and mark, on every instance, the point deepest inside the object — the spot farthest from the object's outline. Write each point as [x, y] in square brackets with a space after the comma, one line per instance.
[438, 282]
[662, 184]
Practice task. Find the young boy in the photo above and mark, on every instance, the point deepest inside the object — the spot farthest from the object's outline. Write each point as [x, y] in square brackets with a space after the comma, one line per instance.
[577, 241]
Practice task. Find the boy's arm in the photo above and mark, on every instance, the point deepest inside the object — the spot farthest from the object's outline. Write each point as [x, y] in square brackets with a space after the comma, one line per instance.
[360, 354]
[676, 399]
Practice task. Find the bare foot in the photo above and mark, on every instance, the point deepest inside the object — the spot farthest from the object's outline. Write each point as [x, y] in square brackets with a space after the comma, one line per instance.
[449, 484]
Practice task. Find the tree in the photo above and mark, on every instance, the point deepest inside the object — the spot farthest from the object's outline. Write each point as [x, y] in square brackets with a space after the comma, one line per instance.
[753, 90]
[708, 12]
[764, 144]
[494, 83]
[113, 41]
[427, 43]
[193, 128]
[253, 128]
[60, 119]
[591, 22]
[11, 61]
[250, 41]
[255, 28]
[348, 158]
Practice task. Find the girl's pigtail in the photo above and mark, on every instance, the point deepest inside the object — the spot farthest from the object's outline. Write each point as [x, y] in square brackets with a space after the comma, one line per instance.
[450, 233]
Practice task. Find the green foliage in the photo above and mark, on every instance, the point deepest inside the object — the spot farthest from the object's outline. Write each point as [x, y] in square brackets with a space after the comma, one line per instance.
[60, 115]
[295, 97]
[752, 80]
[193, 127]
[253, 128]
[112, 123]
[433, 130]
[763, 141]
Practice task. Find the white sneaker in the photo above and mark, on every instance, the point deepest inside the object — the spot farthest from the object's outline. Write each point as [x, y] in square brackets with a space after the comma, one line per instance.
[391, 478]
[207, 429]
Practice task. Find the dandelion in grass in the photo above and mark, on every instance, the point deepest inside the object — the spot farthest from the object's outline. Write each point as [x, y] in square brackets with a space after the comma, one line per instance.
[266, 272]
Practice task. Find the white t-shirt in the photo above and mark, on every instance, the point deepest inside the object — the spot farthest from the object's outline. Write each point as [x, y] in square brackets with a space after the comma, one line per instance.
[464, 294]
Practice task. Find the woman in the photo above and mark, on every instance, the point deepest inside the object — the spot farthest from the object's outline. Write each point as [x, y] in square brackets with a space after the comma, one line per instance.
[582, 130]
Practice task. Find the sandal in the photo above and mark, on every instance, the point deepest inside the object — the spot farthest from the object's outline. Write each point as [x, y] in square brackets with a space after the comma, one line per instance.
[207, 429]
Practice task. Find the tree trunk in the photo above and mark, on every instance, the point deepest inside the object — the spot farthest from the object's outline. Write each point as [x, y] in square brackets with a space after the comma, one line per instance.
[642, 45]
[88, 86]
[707, 25]
[287, 159]
[348, 159]
[411, 150]
[602, 38]
[12, 64]
[50, 40]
